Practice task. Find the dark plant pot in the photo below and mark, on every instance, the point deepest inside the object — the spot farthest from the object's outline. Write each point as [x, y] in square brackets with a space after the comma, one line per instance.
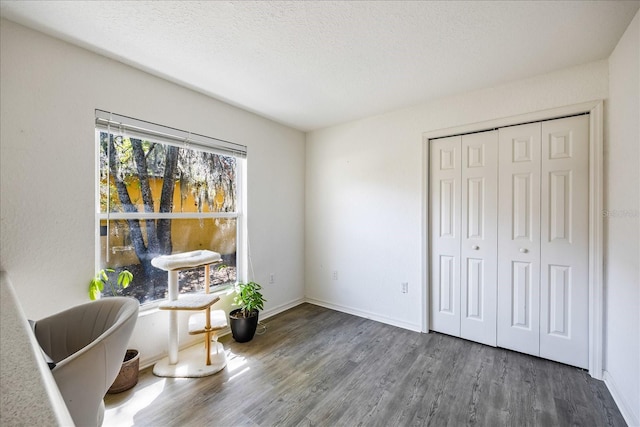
[243, 328]
[128, 375]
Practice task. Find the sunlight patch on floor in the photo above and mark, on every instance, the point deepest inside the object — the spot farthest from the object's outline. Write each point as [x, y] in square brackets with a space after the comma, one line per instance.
[236, 363]
[123, 413]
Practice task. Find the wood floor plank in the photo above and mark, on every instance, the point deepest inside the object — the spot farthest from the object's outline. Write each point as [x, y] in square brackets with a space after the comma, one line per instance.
[318, 367]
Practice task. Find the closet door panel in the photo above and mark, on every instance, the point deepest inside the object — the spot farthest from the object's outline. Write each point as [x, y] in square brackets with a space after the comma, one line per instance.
[564, 281]
[519, 238]
[445, 177]
[479, 237]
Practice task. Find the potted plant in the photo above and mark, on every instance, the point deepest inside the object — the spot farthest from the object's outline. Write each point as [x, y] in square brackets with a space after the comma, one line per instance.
[129, 372]
[244, 320]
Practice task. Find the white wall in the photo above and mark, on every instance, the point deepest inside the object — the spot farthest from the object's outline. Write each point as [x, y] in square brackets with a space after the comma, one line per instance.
[49, 92]
[622, 226]
[364, 191]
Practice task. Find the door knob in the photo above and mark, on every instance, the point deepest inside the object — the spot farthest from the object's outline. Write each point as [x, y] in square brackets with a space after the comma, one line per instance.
[524, 250]
[475, 247]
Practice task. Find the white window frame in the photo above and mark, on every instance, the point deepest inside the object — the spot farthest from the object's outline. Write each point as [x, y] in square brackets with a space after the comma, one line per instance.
[154, 132]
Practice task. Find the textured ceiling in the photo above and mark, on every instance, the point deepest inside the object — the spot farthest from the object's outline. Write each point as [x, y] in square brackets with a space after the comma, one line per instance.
[312, 64]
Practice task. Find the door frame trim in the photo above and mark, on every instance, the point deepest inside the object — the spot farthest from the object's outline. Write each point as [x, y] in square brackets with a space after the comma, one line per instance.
[595, 109]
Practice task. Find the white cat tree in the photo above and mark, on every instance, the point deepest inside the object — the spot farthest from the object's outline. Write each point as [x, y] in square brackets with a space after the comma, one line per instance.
[192, 363]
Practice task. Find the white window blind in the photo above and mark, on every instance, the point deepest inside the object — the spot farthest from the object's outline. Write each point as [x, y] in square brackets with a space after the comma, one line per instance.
[106, 120]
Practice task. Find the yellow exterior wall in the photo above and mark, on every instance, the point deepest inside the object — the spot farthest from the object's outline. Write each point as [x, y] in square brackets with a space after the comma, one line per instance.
[217, 234]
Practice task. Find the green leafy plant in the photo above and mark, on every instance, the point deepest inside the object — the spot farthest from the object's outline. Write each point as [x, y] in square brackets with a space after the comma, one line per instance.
[249, 298]
[97, 284]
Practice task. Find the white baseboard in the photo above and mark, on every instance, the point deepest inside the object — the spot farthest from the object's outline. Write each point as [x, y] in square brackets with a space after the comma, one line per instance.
[366, 314]
[624, 407]
[282, 307]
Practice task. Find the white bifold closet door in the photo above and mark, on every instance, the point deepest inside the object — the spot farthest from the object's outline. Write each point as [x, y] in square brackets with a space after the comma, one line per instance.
[519, 239]
[509, 238]
[464, 173]
[543, 283]
[445, 166]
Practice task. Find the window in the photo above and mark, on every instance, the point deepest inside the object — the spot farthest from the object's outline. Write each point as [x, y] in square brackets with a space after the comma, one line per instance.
[160, 191]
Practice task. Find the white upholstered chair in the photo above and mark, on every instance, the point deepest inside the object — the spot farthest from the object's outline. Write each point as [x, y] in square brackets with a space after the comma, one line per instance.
[87, 343]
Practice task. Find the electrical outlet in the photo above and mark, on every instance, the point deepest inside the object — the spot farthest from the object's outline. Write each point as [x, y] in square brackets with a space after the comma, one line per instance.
[334, 275]
[405, 287]
[272, 278]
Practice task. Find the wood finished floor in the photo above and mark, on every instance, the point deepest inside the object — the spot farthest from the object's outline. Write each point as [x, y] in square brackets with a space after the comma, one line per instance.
[319, 367]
